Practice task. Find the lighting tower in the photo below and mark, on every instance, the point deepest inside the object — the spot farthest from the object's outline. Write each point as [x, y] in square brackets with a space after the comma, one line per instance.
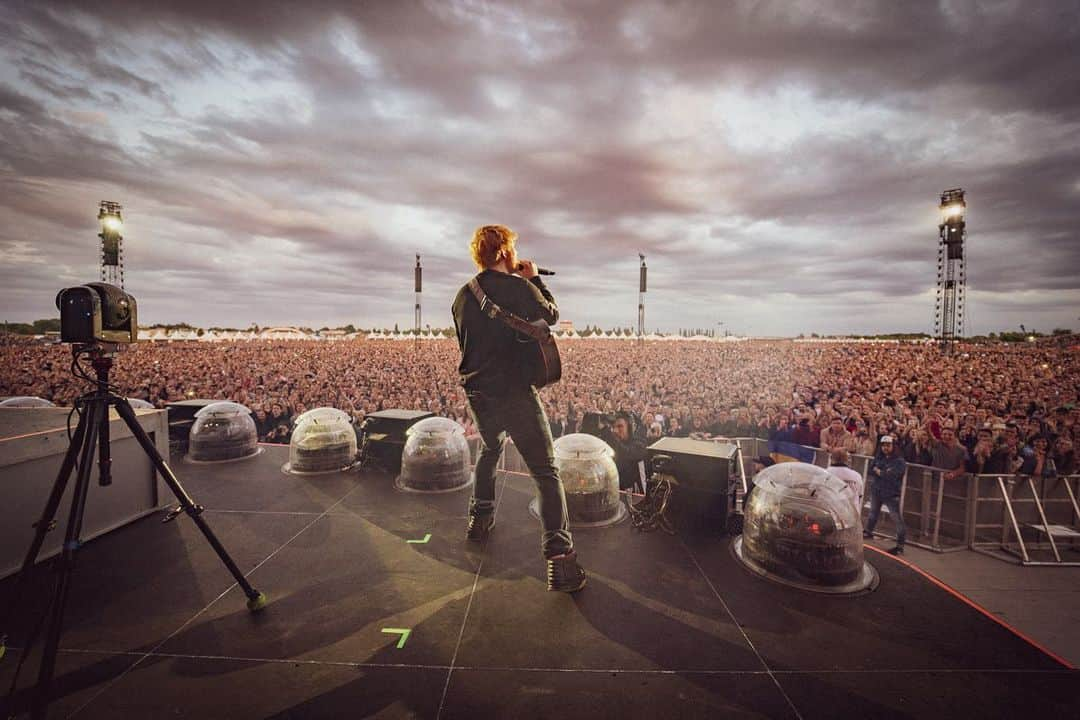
[418, 277]
[641, 299]
[949, 303]
[112, 242]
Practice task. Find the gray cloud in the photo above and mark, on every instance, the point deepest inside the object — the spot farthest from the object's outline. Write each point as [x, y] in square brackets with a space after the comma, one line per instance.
[777, 161]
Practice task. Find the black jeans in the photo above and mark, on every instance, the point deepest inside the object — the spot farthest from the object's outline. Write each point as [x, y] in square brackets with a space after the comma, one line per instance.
[893, 504]
[520, 414]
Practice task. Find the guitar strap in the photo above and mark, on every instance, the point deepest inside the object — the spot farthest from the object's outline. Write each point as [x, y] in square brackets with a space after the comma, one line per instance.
[495, 312]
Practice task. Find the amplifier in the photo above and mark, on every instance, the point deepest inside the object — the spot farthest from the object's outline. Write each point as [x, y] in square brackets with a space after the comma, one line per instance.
[382, 436]
[704, 473]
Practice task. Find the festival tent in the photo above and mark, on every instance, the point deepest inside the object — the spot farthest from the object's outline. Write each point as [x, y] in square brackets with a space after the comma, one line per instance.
[153, 334]
[284, 333]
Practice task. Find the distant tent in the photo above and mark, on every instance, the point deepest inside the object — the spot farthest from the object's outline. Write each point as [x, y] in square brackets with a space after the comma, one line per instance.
[153, 334]
[283, 333]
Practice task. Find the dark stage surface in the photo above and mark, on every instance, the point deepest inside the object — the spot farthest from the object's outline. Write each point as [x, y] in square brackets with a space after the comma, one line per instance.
[667, 626]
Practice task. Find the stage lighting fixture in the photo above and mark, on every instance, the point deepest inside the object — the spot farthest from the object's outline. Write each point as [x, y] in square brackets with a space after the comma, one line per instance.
[802, 529]
[111, 224]
[952, 211]
[435, 458]
[591, 480]
[222, 431]
[322, 441]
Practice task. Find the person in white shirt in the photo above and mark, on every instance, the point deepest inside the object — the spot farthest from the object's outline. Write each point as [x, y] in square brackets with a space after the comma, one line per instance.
[838, 466]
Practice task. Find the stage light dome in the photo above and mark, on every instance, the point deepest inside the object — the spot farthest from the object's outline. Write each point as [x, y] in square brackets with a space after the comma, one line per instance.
[322, 441]
[435, 457]
[590, 479]
[222, 431]
[26, 401]
[802, 528]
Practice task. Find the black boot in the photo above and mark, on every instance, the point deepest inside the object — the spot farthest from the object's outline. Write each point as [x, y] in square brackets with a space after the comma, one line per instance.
[480, 526]
[868, 534]
[898, 550]
[564, 574]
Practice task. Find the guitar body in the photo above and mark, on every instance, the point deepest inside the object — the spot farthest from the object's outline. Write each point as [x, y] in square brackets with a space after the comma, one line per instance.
[545, 360]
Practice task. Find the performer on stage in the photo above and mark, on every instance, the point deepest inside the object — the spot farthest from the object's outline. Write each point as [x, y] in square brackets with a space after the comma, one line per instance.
[495, 374]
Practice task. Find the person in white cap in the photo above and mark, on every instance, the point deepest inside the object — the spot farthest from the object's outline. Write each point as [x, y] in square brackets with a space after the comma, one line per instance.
[887, 478]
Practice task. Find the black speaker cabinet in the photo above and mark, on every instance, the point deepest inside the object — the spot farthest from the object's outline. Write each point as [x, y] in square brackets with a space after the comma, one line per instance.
[383, 435]
[704, 473]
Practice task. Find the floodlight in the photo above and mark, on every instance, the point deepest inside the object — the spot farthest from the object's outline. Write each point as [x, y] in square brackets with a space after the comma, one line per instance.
[112, 223]
[949, 303]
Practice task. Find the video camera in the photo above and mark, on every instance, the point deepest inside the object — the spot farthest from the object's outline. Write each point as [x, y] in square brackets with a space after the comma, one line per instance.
[97, 312]
[600, 424]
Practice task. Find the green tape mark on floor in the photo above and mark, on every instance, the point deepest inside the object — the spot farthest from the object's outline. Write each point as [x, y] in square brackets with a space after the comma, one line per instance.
[420, 542]
[404, 632]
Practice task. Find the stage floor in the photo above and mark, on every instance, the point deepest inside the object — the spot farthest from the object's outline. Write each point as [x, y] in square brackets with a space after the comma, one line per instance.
[667, 627]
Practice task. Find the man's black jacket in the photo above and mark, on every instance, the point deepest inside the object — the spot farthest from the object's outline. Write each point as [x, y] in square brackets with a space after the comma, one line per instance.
[492, 354]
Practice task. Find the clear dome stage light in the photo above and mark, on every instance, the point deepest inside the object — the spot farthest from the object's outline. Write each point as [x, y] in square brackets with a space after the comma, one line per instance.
[26, 401]
[222, 431]
[435, 457]
[590, 479]
[802, 528]
[323, 441]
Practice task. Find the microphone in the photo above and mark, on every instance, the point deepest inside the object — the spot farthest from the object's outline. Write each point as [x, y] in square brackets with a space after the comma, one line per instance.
[539, 270]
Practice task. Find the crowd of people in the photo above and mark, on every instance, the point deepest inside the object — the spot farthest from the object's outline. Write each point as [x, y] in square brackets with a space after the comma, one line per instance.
[1004, 407]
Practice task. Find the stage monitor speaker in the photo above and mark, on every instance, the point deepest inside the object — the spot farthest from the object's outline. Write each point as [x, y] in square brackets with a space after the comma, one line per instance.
[704, 473]
[382, 436]
[181, 418]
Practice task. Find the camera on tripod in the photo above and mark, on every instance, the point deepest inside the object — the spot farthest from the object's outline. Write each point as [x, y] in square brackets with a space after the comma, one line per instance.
[94, 318]
[97, 312]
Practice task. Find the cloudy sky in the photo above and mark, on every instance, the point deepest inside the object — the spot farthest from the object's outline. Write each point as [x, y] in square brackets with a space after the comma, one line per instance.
[778, 163]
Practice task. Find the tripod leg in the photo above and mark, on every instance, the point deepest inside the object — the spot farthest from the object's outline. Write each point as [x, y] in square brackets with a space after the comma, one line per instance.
[98, 408]
[256, 600]
[45, 522]
[104, 451]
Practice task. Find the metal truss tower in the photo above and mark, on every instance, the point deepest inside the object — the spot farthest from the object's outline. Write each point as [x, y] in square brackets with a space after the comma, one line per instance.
[418, 277]
[951, 280]
[112, 242]
[641, 299]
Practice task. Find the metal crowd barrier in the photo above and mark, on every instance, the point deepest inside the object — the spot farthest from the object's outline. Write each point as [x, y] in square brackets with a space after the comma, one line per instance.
[1027, 519]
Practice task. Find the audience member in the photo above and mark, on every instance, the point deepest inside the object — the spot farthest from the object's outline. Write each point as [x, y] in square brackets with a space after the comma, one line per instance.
[886, 477]
[838, 466]
[949, 455]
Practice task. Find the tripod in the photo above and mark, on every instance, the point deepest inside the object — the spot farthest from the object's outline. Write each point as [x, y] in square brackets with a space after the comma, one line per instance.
[93, 428]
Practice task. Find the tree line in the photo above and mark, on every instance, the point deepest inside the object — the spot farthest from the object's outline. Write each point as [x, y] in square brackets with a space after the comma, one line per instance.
[52, 325]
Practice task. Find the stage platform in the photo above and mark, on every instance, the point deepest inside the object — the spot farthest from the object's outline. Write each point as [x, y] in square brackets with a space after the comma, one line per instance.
[668, 626]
